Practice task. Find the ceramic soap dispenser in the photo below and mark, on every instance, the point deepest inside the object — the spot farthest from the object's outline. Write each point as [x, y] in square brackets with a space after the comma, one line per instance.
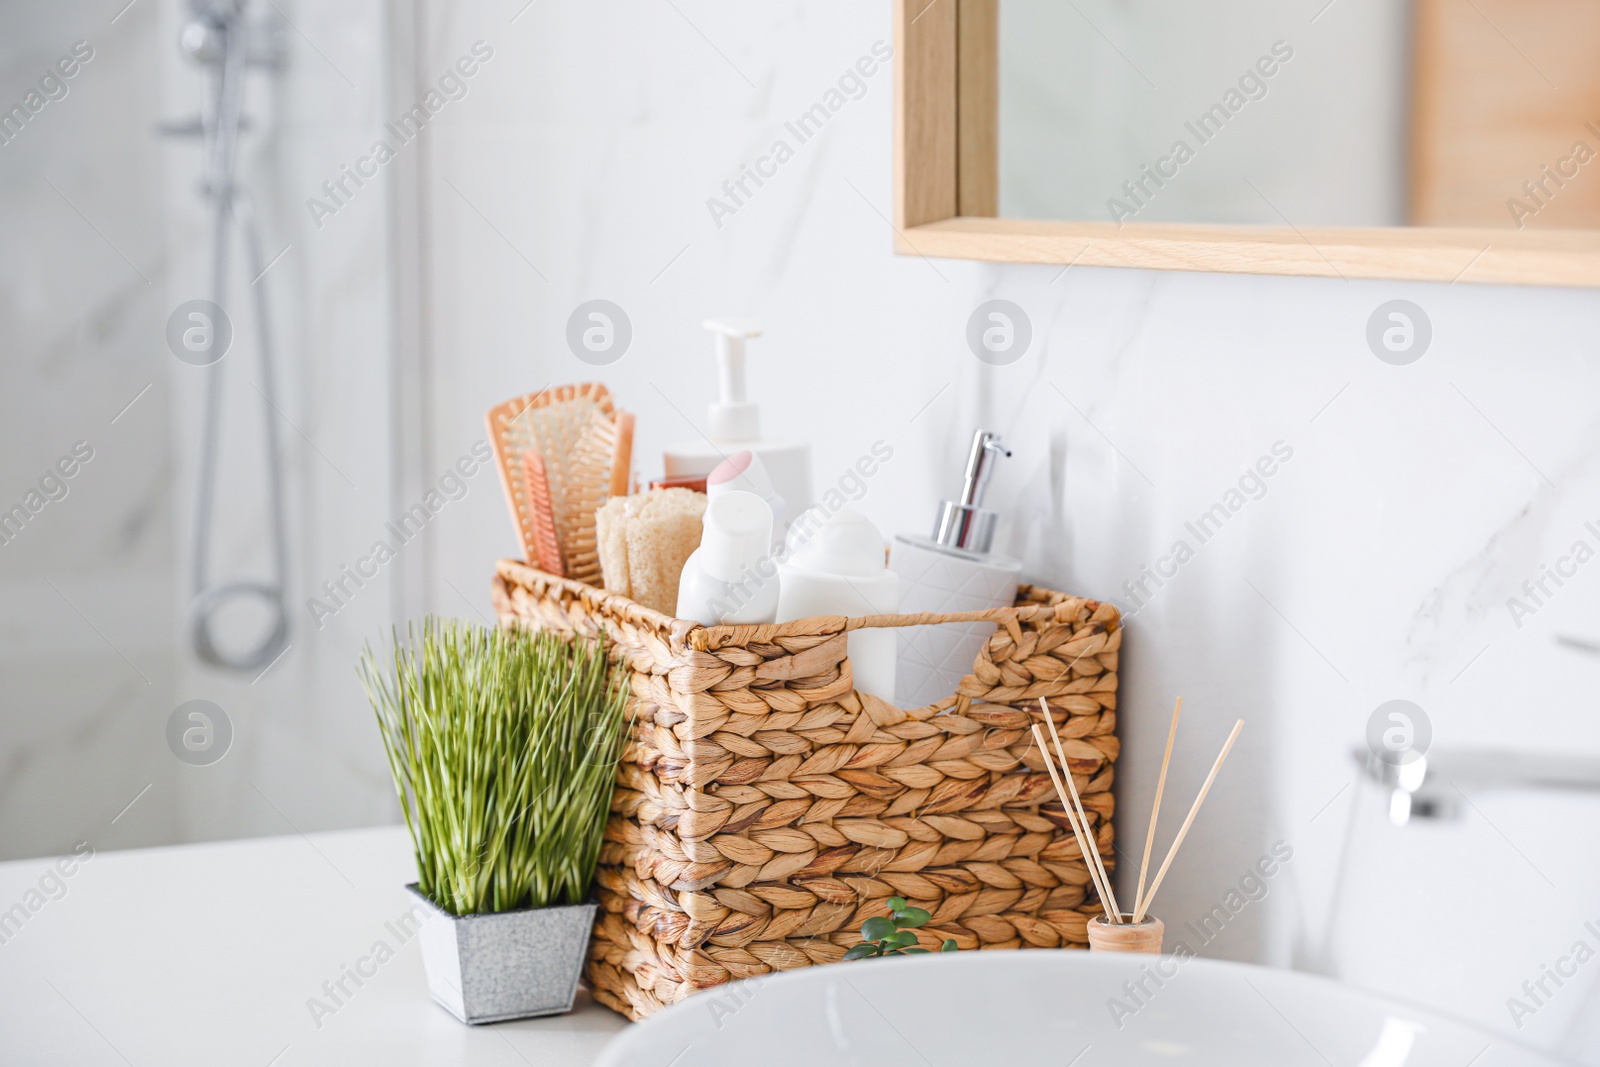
[954, 570]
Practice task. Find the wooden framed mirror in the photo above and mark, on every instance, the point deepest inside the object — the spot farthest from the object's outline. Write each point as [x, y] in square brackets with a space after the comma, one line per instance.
[1430, 140]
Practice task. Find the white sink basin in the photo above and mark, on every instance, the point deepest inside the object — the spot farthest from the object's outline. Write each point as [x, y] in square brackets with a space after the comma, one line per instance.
[1065, 1008]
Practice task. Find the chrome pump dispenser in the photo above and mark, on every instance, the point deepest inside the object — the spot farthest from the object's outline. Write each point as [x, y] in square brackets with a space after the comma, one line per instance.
[954, 570]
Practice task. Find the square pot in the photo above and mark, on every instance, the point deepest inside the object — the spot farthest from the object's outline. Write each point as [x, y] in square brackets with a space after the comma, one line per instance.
[504, 965]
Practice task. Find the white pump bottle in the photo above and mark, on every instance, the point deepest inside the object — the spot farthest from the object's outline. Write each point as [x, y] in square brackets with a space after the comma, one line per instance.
[734, 425]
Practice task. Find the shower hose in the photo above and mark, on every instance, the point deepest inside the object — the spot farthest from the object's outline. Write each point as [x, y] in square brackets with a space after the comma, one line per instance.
[232, 206]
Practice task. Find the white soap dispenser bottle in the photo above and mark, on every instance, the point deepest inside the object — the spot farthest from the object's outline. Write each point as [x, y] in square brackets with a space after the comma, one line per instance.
[951, 571]
[735, 425]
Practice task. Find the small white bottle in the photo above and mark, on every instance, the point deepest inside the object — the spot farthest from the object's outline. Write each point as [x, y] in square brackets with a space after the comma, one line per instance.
[735, 425]
[951, 571]
[835, 566]
[744, 471]
[731, 577]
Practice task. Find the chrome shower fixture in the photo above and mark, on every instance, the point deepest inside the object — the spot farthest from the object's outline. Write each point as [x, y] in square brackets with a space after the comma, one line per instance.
[220, 36]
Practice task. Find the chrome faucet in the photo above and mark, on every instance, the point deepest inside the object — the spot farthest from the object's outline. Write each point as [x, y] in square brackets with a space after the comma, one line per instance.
[1436, 785]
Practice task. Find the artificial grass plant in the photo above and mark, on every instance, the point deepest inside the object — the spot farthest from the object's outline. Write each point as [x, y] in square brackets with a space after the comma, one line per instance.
[504, 747]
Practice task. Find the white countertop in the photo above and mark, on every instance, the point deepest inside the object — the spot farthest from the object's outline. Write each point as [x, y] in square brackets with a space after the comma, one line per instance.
[211, 955]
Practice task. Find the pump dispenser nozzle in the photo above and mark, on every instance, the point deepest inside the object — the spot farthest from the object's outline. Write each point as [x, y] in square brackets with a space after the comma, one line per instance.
[734, 417]
[966, 523]
[733, 425]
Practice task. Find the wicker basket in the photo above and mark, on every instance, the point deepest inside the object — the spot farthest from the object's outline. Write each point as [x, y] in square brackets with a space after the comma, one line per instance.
[764, 808]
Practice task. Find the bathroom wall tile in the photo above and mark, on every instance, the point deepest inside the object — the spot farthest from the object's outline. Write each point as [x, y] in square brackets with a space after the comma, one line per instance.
[110, 233]
[86, 604]
[306, 754]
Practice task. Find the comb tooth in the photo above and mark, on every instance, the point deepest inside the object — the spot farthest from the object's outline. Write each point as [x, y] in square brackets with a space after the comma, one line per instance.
[545, 548]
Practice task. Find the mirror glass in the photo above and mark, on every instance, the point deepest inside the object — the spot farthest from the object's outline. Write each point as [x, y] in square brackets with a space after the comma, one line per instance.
[1305, 113]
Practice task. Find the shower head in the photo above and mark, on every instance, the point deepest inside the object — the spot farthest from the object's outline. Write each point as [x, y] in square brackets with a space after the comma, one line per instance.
[205, 36]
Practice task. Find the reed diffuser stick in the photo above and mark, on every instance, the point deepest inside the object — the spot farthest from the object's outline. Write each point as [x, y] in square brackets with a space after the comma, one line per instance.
[1155, 809]
[1138, 916]
[1083, 816]
[1072, 821]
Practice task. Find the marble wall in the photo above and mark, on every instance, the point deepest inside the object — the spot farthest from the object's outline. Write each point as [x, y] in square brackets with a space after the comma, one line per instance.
[585, 160]
[109, 234]
[304, 755]
[1375, 563]
[88, 584]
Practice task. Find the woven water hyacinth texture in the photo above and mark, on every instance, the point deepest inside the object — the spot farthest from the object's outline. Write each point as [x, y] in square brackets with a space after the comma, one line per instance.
[764, 809]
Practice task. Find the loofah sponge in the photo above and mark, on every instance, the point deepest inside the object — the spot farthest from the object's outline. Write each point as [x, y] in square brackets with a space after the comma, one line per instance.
[644, 541]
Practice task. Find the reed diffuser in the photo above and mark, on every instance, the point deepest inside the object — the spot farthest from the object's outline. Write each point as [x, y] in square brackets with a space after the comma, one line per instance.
[1115, 930]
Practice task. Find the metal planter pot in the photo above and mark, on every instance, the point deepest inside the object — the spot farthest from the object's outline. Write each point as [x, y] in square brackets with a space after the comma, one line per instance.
[504, 965]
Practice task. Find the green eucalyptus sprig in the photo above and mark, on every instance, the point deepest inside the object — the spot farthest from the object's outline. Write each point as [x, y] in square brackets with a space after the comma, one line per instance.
[890, 935]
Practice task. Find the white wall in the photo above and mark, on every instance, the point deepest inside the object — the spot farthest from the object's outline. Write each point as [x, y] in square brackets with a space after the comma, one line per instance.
[1376, 566]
